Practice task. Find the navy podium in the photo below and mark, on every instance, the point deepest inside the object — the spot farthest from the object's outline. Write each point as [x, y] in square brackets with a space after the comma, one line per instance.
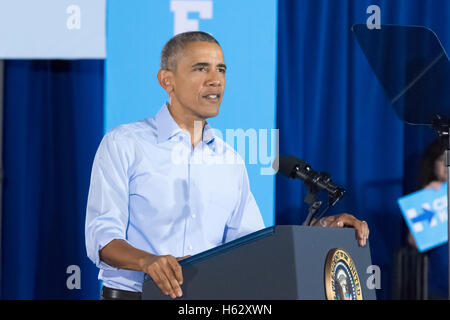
[277, 263]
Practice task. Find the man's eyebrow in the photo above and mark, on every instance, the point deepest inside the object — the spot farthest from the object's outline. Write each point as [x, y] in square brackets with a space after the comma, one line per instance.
[206, 64]
[200, 64]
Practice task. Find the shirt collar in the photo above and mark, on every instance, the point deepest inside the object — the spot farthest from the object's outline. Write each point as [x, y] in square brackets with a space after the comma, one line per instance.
[208, 133]
[167, 127]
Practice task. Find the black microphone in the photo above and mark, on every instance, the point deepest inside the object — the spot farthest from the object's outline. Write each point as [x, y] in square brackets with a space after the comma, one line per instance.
[293, 167]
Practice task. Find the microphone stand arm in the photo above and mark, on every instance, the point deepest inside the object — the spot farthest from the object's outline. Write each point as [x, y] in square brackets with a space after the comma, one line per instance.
[313, 202]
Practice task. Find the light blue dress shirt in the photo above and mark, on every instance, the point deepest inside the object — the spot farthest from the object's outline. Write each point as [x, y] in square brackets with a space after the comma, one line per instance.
[150, 188]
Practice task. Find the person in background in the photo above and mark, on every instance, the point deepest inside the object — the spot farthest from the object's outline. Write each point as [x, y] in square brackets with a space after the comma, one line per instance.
[433, 171]
[432, 174]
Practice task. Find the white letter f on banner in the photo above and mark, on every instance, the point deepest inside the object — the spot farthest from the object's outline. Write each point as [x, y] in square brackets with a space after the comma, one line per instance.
[181, 9]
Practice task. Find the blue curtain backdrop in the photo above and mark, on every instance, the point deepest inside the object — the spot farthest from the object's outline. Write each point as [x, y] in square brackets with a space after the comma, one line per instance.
[333, 113]
[53, 123]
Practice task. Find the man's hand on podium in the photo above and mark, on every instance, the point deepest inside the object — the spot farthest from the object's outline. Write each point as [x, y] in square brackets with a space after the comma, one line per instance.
[345, 220]
[166, 273]
[165, 270]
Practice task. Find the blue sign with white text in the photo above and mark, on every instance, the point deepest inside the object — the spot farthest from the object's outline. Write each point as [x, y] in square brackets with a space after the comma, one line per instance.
[425, 213]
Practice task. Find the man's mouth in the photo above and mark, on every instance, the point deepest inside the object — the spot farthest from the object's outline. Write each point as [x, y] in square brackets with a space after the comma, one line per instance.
[212, 97]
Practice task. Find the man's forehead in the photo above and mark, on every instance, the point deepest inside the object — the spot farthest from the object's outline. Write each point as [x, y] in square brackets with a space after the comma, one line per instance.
[200, 50]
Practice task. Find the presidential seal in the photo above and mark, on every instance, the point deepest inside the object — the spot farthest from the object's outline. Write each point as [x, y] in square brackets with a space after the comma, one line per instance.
[341, 277]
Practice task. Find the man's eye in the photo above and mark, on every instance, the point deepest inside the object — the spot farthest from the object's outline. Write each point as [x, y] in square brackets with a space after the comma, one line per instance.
[200, 69]
[222, 70]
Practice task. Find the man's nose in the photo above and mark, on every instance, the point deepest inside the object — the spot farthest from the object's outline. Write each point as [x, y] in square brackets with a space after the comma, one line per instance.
[214, 79]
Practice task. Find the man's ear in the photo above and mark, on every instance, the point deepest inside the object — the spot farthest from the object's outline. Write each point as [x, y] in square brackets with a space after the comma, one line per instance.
[165, 79]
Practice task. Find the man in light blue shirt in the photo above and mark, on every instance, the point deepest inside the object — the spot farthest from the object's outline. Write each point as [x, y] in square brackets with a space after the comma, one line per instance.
[166, 187]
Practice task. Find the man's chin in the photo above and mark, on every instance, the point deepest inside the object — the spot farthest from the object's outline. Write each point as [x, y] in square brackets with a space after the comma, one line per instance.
[213, 114]
[210, 112]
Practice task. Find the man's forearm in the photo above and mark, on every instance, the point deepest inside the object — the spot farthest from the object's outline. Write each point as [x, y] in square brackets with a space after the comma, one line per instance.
[118, 253]
[164, 270]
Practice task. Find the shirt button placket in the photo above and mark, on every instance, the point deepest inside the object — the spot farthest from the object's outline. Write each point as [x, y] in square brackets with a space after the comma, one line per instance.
[191, 227]
[193, 232]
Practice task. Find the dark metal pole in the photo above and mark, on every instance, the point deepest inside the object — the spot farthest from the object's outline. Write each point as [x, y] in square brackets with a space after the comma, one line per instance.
[443, 130]
[447, 164]
[2, 65]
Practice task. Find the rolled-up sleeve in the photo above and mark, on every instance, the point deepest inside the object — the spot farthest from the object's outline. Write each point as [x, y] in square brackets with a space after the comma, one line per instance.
[246, 218]
[107, 213]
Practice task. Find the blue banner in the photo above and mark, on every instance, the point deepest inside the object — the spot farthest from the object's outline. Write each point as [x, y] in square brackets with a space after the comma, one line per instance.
[425, 213]
[137, 31]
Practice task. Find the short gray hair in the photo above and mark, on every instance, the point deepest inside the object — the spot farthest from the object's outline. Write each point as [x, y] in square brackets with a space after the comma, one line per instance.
[178, 43]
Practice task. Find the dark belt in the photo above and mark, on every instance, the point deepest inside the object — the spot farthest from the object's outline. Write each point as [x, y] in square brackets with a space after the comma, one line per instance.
[116, 294]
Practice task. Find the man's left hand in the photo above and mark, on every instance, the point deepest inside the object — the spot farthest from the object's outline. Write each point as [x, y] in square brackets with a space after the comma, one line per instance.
[346, 220]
